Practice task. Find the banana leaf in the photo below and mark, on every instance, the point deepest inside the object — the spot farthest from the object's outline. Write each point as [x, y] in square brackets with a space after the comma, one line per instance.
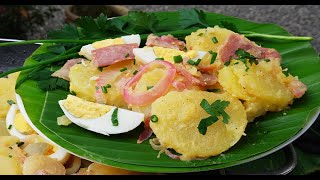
[266, 135]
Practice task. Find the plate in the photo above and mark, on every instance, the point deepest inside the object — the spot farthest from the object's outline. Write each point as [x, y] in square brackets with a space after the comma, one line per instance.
[265, 136]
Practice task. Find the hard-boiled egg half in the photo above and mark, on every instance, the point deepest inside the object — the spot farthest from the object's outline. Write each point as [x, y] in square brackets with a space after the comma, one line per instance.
[100, 118]
[20, 125]
[86, 50]
[147, 54]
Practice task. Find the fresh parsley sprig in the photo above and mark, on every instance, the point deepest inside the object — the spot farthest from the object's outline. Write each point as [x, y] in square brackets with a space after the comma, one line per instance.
[215, 110]
[194, 17]
[245, 57]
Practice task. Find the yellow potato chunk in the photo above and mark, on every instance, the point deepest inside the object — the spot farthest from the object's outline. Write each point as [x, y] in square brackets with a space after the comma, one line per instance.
[82, 81]
[202, 39]
[4, 129]
[179, 114]
[6, 141]
[7, 92]
[262, 86]
[9, 166]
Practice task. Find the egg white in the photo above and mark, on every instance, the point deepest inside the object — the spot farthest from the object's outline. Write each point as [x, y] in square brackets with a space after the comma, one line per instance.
[144, 55]
[134, 38]
[60, 154]
[127, 121]
[10, 122]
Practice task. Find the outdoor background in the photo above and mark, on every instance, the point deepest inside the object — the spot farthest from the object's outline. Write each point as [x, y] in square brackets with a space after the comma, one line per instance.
[301, 20]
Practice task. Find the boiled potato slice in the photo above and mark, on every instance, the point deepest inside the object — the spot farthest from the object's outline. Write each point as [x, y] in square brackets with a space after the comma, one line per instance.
[6, 141]
[179, 114]
[81, 81]
[255, 108]
[230, 83]
[117, 79]
[100, 169]
[3, 128]
[38, 164]
[9, 166]
[263, 85]
[202, 39]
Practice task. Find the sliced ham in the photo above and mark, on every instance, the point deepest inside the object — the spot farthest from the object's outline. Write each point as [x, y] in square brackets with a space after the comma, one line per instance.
[112, 54]
[207, 80]
[147, 132]
[64, 71]
[236, 41]
[167, 41]
[297, 88]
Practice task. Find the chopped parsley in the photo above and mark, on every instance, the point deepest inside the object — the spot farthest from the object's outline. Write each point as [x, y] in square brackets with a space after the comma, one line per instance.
[213, 90]
[286, 73]
[10, 126]
[73, 93]
[149, 87]
[159, 58]
[104, 89]
[135, 72]
[214, 40]
[227, 63]
[213, 56]
[100, 69]
[114, 117]
[123, 69]
[194, 63]
[10, 156]
[20, 143]
[127, 55]
[108, 86]
[215, 110]
[177, 59]
[267, 60]
[10, 102]
[154, 118]
[134, 61]
[200, 34]
[245, 56]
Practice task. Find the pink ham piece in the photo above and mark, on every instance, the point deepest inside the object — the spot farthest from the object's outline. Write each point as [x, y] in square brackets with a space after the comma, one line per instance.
[147, 132]
[165, 41]
[297, 88]
[112, 54]
[64, 71]
[236, 41]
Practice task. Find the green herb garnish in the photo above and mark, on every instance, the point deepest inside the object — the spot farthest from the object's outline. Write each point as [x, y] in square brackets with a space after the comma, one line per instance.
[123, 69]
[73, 93]
[214, 40]
[135, 72]
[108, 86]
[114, 117]
[20, 144]
[10, 102]
[244, 56]
[149, 87]
[134, 61]
[213, 90]
[127, 55]
[215, 110]
[10, 126]
[100, 69]
[10, 156]
[267, 60]
[177, 59]
[213, 56]
[192, 17]
[200, 34]
[104, 89]
[154, 118]
[159, 58]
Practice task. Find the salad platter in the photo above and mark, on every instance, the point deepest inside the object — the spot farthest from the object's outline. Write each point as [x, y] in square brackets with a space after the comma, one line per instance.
[40, 97]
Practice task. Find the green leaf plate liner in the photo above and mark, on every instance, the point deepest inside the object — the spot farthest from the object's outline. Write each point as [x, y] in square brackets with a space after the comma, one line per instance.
[264, 136]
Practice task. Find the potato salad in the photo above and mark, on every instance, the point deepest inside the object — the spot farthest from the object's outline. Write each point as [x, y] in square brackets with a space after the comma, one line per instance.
[194, 97]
